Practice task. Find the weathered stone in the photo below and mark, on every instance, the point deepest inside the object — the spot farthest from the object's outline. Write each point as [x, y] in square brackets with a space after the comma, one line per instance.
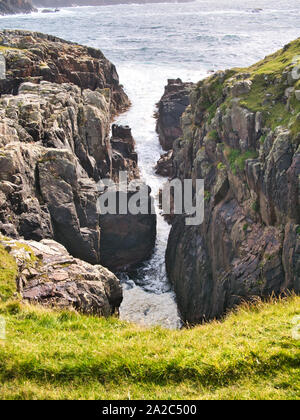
[55, 146]
[170, 109]
[35, 56]
[128, 239]
[248, 244]
[164, 166]
[48, 275]
[12, 7]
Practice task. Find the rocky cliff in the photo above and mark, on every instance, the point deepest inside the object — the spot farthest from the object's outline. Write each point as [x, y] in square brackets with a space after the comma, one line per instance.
[56, 106]
[11, 7]
[241, 134]
[35, 57]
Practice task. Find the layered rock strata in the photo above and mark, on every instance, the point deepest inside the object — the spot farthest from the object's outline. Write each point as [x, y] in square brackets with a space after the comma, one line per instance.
[55, 143]
[241, 134]
[48, 275]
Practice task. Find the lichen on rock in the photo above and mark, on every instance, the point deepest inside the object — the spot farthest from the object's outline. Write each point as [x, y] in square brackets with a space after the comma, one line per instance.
[241, 135]
[56, 109]
[49, 276]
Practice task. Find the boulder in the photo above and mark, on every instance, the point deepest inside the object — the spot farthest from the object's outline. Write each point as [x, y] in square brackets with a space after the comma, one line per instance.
[128, 239]
[49, 276]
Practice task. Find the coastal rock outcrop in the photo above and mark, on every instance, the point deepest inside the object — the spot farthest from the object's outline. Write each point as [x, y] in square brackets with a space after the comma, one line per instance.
[128, 239]
[55, 147]
[241, 134]
[49, 276]
[170, 109]
[12, 7]
[71, 3]
[164, 166]
[33, 57]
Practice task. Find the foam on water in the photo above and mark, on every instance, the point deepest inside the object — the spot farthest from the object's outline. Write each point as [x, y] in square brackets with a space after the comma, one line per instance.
[149, 44]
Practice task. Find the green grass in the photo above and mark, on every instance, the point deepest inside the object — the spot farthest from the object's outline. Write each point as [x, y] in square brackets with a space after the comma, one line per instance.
[50, 354]
[8, 274]
[237, 159]
[213, 135]
[266, 77]
[267, 93]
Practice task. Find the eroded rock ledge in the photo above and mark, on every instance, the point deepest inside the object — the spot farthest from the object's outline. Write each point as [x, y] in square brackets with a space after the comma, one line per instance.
[33, 57]
[241, 134]
[48, 275]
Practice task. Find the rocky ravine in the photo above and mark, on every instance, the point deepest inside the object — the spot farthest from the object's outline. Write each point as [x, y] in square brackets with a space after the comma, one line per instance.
[241, 134]
[56, 107]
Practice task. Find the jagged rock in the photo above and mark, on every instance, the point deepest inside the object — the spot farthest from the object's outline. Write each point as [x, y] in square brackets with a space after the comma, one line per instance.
[164, 166]
[48, 275]
[12, 7]
[124, 156]
[32, 56]
[249, 242]
[170, 109]
[55, 146]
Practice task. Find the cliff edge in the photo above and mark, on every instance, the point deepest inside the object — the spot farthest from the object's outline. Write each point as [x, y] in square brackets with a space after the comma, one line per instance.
[241, 134]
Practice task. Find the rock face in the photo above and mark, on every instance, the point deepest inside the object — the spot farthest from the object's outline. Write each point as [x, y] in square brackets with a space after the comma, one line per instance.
[33, 57]
[170, 109]
[48, 275]
[11, 7]
[164, 166]
[241, 134]
[124, 156]
[55, 145]
[127, 240]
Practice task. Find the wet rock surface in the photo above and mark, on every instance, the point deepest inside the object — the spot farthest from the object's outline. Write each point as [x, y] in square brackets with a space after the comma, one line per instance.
[49, 275]
[249, 243]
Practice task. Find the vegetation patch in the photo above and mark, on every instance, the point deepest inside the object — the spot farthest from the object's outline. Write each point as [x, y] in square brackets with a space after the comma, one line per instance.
[52, 354]
[8, 274]
[237, 159]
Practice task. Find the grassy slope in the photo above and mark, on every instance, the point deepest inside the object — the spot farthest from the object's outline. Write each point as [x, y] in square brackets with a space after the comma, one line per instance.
[50, 354]
[62, 355]
[267, 77]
